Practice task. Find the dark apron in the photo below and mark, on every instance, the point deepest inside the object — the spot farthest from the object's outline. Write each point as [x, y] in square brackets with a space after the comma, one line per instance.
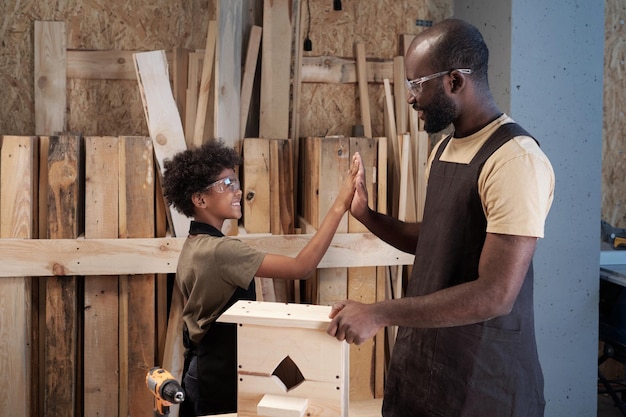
[488, 369]
[210, 370]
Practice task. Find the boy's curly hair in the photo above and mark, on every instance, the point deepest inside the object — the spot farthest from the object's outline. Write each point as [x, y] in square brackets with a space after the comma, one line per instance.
[190, 171]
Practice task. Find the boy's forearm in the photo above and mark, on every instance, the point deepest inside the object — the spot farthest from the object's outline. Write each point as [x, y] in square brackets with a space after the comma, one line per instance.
[314, 251]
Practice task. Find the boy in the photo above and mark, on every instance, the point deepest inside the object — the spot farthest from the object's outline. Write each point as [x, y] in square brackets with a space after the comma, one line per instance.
[215, 271]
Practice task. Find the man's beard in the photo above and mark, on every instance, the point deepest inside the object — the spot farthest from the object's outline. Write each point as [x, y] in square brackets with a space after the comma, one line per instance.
[440, 113]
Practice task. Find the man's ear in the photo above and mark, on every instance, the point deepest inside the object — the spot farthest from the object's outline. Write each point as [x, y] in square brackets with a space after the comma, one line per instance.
[198, 200]
[457, 80]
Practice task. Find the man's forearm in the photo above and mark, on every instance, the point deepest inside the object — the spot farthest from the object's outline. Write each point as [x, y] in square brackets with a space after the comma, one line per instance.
[401, 235]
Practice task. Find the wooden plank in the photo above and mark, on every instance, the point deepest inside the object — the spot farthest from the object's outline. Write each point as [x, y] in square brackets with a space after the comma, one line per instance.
[180, 69]
[205, 85]
[162, 279]
[280, 291]
[65, 257]
[274, 212]
[139, 215]
[228, 62]
[117, 65]
[50, 77]
[423, 149]
[400, 95]
[309, 174]
[256, 185]
[405, 160]
[275, 69]
[302, 316]
[381, 271]
[334, 162]
[101, 353]
[296, 90]
[249, 72]
[162, 117]
[64, 197]
[123, 339]
[174, 349]
[50, 117]
[110, 64]
[191, 96]
[18, 201]
[101, 65]
[361, 69]
[280, 405]
[392, 142]
[362, 281]
[421, 142]
[286, 186]
[311, 177]
[339, 70]
[158, 102]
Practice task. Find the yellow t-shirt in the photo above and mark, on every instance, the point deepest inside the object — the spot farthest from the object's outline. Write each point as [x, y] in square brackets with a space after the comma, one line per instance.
[516, 184]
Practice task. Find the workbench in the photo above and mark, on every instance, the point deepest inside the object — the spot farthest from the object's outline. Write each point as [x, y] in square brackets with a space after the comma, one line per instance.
[613, 264]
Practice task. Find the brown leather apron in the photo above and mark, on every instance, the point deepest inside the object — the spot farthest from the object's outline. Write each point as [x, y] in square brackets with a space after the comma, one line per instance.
[488, 369]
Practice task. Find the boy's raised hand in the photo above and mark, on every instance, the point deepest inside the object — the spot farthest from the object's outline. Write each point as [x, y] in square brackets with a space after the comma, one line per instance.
[346, 192]
[359, 207]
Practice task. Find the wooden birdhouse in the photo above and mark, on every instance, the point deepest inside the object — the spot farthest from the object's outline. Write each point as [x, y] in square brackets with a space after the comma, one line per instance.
[287, 364]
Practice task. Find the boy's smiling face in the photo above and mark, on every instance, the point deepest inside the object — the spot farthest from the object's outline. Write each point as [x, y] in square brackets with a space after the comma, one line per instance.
[213, 206]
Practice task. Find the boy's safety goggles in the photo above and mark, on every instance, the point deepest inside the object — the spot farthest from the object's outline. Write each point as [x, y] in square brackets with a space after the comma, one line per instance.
[229, 183]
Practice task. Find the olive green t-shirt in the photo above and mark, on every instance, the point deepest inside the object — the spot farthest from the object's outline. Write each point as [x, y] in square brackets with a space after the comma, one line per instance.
[209, 271]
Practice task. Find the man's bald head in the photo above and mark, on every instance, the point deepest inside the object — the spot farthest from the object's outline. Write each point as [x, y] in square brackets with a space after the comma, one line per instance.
[452, 44]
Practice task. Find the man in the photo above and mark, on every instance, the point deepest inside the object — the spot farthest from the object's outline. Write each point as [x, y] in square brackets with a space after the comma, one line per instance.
[466, 343]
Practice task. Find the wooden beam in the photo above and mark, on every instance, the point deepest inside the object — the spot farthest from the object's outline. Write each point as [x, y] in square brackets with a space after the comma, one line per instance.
[164, 125]
[392, 142]
[400, 95]
[364, 100]
[101, 353]
[101, 65]
[334, 161]
[252, 56]
[64, 257]
[139, 214]
[50, 77]
[362, 281]
[205, 85]
[18, 202]
[228, 62]
[256, 185]
[275, 69]
[381, 271]
[191, 96]
[61, 310]
[339, 70]
[180, 70]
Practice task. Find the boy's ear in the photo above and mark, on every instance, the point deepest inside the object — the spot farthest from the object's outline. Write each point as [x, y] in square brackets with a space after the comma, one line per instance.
[198, 200]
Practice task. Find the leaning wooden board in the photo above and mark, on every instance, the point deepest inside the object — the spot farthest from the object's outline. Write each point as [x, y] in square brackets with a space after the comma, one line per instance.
[101, 352]
[17, 203]
[168, 138]
[64, 214]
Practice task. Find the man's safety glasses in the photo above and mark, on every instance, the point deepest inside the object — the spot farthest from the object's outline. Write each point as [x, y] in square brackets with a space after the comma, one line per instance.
[415, 86]
[229, 183]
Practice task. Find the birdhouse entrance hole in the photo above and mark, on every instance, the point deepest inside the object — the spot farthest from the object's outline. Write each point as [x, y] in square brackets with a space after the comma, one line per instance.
[288, 373]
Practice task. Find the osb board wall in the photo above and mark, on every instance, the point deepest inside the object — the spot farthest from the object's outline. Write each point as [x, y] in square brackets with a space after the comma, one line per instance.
[95, 107]
[114, 107]
[332, 109]
[614, 124]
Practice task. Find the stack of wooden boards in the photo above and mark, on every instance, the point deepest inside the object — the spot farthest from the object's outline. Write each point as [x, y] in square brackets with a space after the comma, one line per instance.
[189, 120]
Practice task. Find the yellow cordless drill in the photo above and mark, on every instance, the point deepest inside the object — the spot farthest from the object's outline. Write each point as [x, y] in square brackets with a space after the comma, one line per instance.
[167, 391]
